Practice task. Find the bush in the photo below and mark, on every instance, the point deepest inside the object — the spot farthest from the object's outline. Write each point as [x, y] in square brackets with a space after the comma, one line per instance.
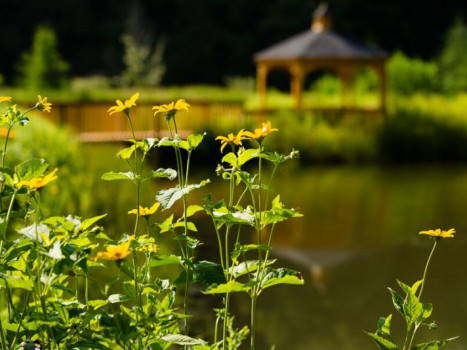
[453, 60]
[328, 84]
[43, 67]
[410, 75]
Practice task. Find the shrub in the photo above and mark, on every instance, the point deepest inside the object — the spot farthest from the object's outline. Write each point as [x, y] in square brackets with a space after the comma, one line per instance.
[42, 67]
[410, 75]
[453, 60]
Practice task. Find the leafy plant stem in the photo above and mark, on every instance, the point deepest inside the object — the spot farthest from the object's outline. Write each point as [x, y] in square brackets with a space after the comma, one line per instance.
[426, 268]
[412, 337]
[26, 304]
[2, 335]
[7, 219]
[6, 143]
[227, 295]
[253, 322]
[269, 186]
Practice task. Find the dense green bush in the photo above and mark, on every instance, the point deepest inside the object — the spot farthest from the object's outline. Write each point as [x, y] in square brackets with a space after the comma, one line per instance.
[410, 75]
[42, 67]
[453, 60]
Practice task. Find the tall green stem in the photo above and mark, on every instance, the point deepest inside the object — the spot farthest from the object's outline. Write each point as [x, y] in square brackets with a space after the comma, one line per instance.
[253, 322]
[426, 267]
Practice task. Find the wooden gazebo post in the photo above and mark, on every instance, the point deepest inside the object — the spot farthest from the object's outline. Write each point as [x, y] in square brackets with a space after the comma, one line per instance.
[261, 81]
[297, 74]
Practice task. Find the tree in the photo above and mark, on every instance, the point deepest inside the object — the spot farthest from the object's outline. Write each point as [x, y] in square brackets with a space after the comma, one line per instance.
[42, 67]
[453, 60]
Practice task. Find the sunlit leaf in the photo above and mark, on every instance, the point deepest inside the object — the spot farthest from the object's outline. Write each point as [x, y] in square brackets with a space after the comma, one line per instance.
[164, 260]
[229, 287]
[167, 198]
[159, 173]
[181, 339]
[433, 345]
[111, 176]
[383, 343]
[118, 298]
[31, 169]
[384, 325]
[91, 221]
[272, 277]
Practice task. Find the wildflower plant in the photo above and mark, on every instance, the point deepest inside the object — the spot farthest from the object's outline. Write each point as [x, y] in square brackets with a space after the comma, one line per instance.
[413, 310]
[51, 268]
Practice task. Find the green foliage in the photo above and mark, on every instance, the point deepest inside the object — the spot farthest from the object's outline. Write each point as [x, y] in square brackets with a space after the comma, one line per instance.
[453, 59]
[415, 313]
[143, 65]
[42, 67]
[328, 84]
[411, 75]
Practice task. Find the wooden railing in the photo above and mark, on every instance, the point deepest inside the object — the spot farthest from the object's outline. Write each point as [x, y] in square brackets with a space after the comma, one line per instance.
[92, 122]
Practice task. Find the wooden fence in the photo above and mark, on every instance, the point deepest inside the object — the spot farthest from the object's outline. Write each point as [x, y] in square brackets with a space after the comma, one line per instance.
[93, 123]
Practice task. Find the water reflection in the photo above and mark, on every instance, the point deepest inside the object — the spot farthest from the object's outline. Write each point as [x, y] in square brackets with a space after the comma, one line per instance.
[358, 235]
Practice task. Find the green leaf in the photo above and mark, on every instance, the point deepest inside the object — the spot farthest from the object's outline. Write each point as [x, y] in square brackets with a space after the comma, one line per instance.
[167, 198]
[31, 169]
[383, 343]
[181, 339]
[208, 273]
[112, 176]
[413, 309]
[158, 174]
[126, 153]
[230, 158]
[189, 225]
[433, 345]
[195, 140]
[274, 277]
[247, 266]
[165, 260]
[247, 155]
[229, 287]
[61, 287]
[118, 298]
[427, 309]
[166, 225]
[15, 282]
[193, 209]
[384, 325]
[398, 301]
[415, 286]
[243, 216]
[97, 304]
[91, 221]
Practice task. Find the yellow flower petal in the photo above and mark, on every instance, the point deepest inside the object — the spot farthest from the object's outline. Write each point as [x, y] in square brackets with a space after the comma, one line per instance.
[5, 98]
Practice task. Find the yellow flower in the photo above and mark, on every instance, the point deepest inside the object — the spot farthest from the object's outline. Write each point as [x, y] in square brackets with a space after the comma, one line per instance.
[5, 98]
[146, 211]
[171, 108]
[115, 252]
[42, 104]
[439, 233]
[151, 248]
[4, 132]
[124, 107]
[261, 132]
[38, 182]
[232, 139]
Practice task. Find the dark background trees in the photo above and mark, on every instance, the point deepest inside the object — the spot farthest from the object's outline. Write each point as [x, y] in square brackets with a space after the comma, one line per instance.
[207, 40]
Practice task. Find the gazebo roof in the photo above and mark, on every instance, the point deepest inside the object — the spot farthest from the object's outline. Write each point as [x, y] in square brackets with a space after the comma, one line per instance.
[318, 45]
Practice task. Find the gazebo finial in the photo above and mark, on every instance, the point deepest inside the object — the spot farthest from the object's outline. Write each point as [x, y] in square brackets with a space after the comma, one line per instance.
[321, 18]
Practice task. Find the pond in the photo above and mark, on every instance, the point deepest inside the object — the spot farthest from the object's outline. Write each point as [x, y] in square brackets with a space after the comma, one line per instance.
[358, 235]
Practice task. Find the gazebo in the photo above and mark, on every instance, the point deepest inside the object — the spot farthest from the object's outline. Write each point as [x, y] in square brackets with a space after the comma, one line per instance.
[319, 49]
